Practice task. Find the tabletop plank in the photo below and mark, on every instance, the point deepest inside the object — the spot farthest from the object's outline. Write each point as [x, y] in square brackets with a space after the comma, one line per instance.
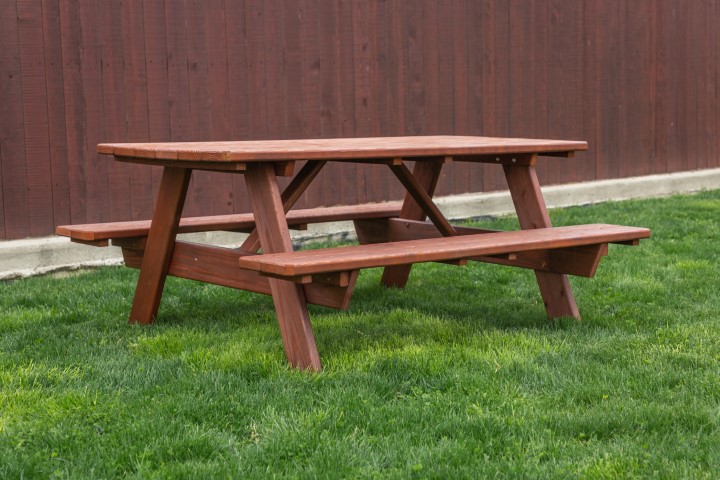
[339, 148]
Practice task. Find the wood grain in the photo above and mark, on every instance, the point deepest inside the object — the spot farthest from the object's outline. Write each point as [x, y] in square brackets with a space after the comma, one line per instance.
[340, 148]
[235, 222]
[161, 238]
[288, 297]
[309, 262]
[532, 214]
[426, 174]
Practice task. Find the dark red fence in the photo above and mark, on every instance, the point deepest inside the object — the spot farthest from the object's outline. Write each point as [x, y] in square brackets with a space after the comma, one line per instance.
[638, 79]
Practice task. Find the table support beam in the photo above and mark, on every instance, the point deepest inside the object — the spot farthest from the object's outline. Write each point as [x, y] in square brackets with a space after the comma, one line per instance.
[288, 297]
[161, 238]
[290, 196]
[532, 213]
[426, 173]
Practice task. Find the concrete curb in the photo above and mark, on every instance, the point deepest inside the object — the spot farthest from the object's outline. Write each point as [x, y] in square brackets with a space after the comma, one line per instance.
[22, 258]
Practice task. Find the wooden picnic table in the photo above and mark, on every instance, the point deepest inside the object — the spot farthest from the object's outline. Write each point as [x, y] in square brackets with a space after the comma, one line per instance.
[392, 235]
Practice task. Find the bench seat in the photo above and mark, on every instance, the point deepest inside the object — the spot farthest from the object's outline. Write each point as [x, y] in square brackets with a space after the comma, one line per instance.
[99, 233]
[340, 259]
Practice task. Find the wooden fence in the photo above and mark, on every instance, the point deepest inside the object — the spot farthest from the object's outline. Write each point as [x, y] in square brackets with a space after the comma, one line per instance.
[637, 79]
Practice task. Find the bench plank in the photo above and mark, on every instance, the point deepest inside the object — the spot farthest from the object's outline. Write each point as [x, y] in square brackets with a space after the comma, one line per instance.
[310, 262]
[236, 222]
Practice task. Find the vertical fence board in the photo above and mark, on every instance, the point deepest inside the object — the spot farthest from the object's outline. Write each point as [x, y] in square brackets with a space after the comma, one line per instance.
[55, 112]
[115, 115]
[12, 135]
[34, 100]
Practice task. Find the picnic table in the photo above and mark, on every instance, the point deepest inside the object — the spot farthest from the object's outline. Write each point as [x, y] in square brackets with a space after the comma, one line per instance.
[392, 235]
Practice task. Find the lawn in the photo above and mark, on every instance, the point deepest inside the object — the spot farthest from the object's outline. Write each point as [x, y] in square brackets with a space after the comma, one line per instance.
[460, 375]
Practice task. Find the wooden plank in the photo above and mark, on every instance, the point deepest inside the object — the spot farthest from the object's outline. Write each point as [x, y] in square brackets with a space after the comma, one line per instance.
[222, 194]
[114, 106]
[310, 262]
[565, 97]
[498, 39]
[361, 57]
[289, 298]
[56, 113]
[35, 118]
[342, 149]
[256, 72]
[532, 214]
[93, 120]
[233, 222]
[478, 60]
[461, 99]
[74, 113]
[161, 238]
[178, 79]
[156, 55]
[219, 266]
[135, 70]
[444, 63]
[638, 137]
[611, 78]
[581, 261]
[591, 85]
[200, 193]
[12, 134]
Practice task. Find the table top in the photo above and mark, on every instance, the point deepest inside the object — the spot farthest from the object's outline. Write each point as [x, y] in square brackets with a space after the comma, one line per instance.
[338, 148]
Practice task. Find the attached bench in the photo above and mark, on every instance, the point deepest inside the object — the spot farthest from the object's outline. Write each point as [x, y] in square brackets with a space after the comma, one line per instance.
[304, 266]
[218, 265]
[98, 234]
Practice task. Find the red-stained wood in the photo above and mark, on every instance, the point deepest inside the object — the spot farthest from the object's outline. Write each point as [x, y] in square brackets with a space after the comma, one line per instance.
[564, 117]
[532, 214]
[234, 222]
[288, 297]
[12, 134]
[201, 191]
[156, 59]
[161, 238]
[34, 106]
[417, 191]
[310, 262]
[35, 114]
[289, 197]
[426, 174]
[238, 89]
[136, 91]
[116, 125]
[341, 149]
[582, 261]
[93, 119]
[56, 114]
[223, 197]
[219, 266]
[74, 113]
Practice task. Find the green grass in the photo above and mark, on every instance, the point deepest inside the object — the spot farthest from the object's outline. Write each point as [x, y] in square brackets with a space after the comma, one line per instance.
[458, 375]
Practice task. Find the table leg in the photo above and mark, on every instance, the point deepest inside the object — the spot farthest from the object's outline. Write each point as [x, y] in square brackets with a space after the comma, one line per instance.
[426, 174]
[160, 242]
[288, 297]
[532, 213]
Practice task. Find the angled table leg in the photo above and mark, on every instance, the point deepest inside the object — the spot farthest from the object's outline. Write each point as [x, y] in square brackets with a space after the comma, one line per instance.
[532, 213]
[426, 174]
[160, 242]
[288, 297]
